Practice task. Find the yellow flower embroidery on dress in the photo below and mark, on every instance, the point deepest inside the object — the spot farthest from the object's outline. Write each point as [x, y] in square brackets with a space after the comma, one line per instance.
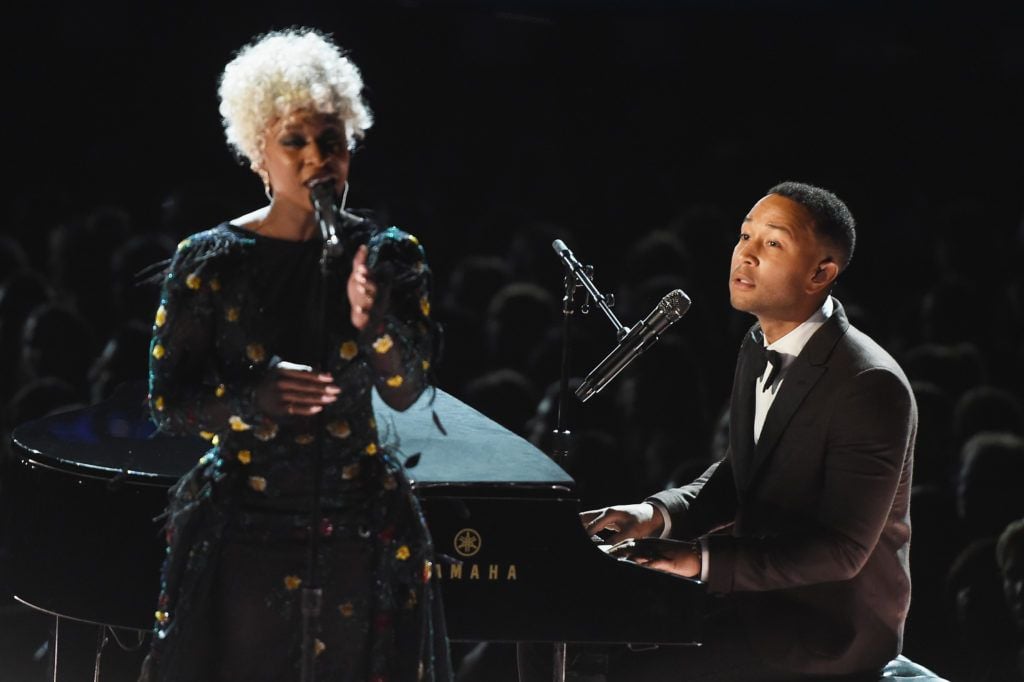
[207, 435]
[258, 483]
[425, 306]
[395, 381]
[305, 438]
[255, 352]
[215, 440]
[266, 432]
[402, 553]
[158, 351]
[244, 456]
[348, 350]
[158, 403]
[292, 582]
[371, 449]
[161, 616]
[318, 647]
[414, 240]
[347, 609]
[426, 365]
[161, 316]
[339, 429]
[220, 390]
[383, 344]
[237, 424]
[193, 281]
[231, 314]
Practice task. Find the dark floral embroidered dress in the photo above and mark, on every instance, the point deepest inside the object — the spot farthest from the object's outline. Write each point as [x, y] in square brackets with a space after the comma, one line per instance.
[233, 304]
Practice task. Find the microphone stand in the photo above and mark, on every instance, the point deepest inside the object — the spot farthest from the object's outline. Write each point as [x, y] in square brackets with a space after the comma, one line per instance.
[576, 275]
[560, 436]
[312, 593]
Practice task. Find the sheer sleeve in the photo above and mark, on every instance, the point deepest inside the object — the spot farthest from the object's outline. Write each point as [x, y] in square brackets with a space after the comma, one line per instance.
[399, 339]
[187, 392]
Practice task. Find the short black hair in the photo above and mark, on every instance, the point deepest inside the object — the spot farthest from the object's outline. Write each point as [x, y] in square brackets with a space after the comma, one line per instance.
[832, 219]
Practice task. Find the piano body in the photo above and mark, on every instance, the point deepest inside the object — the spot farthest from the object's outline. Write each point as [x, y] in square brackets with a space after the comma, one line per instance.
[85, 486]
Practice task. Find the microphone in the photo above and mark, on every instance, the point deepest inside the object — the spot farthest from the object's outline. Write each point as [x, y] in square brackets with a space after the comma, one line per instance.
[332, 218]
[565, 254]
[637, 340]
[323, 196]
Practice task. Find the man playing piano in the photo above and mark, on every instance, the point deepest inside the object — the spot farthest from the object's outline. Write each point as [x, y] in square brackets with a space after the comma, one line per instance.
[803, 529]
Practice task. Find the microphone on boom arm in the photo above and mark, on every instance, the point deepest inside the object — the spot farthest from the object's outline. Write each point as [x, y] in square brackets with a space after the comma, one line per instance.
[637, 340]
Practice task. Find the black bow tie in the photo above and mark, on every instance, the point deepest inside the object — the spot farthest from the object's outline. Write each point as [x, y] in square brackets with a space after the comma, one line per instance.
[760, 357]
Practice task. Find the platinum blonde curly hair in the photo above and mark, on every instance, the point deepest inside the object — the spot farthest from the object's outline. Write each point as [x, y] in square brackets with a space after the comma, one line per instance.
[280, 72]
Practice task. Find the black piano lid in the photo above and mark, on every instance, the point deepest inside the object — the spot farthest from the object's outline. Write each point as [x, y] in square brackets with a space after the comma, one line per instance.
[116, 438]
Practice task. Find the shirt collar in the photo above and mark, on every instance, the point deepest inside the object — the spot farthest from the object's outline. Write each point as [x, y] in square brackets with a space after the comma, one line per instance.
[794, 342]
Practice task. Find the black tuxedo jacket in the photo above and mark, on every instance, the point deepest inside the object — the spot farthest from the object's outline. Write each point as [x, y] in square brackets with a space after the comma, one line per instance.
[809, 530]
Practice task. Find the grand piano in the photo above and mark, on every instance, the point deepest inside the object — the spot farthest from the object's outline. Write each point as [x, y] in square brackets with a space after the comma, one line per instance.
[85, 486]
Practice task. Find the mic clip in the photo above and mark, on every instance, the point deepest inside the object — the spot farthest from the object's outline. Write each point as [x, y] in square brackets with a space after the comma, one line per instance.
[609, 298]
[579, 275]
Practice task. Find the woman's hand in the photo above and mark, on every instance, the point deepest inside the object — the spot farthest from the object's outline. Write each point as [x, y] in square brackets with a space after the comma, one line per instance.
[295, 390]
[361, 290]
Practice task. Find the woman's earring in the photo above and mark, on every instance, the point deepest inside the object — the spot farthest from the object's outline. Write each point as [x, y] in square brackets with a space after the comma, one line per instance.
[265, 177]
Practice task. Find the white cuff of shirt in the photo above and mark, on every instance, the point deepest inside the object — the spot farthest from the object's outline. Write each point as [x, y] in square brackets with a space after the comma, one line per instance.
[666, 520]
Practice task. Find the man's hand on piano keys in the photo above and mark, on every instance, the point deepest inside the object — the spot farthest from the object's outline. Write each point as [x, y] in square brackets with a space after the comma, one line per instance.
[672, 556]
[623, 521]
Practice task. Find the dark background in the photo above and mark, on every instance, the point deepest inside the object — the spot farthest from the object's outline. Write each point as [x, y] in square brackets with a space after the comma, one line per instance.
[609, 117]
[600, 120]
[501, 125]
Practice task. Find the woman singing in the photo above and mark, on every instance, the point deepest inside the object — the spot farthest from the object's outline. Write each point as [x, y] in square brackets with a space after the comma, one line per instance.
[242, 322]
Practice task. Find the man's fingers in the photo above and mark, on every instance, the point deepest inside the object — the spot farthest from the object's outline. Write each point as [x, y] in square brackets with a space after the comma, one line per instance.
[638, 550]
[658, 564]
[622, 550]
[618, 536]
[602, 520]
[647, 552]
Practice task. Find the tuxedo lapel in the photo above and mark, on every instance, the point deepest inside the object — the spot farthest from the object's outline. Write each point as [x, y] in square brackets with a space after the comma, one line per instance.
[741, 409]
[801, 377]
